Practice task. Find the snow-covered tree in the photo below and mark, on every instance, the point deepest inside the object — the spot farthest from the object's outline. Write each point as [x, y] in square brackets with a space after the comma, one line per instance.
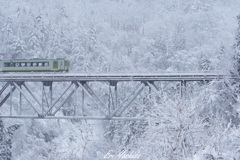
[6, 135]
[128, 36]
[204, 64]
[237, 47]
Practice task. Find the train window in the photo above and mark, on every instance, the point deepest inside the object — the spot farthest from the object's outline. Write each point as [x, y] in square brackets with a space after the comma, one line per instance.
[46, 64]
[34, 64]
[17, 64]
[11, 64]
[28, 64]
[23, 64]
[40, 64]
[6, 64]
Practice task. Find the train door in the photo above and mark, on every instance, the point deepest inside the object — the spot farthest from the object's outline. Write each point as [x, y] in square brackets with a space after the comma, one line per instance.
[61, 65]
[55, 65]
[66, 65]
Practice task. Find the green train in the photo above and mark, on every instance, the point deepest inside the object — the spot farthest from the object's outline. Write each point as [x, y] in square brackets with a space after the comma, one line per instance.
[34, 65]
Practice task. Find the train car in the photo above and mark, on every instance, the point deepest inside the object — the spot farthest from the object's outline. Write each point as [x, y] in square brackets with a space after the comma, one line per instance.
[34, 65]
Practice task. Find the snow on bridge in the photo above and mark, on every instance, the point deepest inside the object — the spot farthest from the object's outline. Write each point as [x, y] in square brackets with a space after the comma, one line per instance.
[113, 77]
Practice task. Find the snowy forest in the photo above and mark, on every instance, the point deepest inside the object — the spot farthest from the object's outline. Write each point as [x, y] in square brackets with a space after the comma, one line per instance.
[131, 36]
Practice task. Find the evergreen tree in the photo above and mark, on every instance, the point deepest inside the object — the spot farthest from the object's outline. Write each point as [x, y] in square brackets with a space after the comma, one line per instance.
[220, 58]
[204, 64]
[237, 47]
[8, 37]
[34, 45]
[159, 53]
[178, 38]
[18, 49]
[6, 136]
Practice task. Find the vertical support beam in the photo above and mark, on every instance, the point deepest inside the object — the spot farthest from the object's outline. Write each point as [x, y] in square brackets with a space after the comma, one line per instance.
[112, 101]
[20, 101]
[11, 99]
[109, 100]
[70, 94]
[153, 89]
[75, 103]
[83, 102]
[183, 89]
[50, 97]
[25, 96]
[42, 104]
[152, 86]
[129, 100]
[48, 111]
[149, 90]
[149, 93]
[116, 99]
[103, 108]
[132, 98]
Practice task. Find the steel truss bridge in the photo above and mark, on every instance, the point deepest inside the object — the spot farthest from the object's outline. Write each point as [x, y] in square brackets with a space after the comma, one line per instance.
[48, 105]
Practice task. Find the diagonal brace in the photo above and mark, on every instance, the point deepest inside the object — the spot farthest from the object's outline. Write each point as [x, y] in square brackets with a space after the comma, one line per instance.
[129, 100]
[48, 111]
[7, 96]
[70, 94]
[31, 94]
[20, 90]
[4, 87]
[91, 94]
[153, 87]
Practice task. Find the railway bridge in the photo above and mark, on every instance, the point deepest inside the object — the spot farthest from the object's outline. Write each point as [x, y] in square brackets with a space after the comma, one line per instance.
[25, 87]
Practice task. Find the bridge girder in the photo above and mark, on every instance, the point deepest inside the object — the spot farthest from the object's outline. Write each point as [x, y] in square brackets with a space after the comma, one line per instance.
[48, 105]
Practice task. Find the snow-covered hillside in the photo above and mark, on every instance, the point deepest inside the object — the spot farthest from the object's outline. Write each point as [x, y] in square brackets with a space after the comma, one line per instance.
[131, 36]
